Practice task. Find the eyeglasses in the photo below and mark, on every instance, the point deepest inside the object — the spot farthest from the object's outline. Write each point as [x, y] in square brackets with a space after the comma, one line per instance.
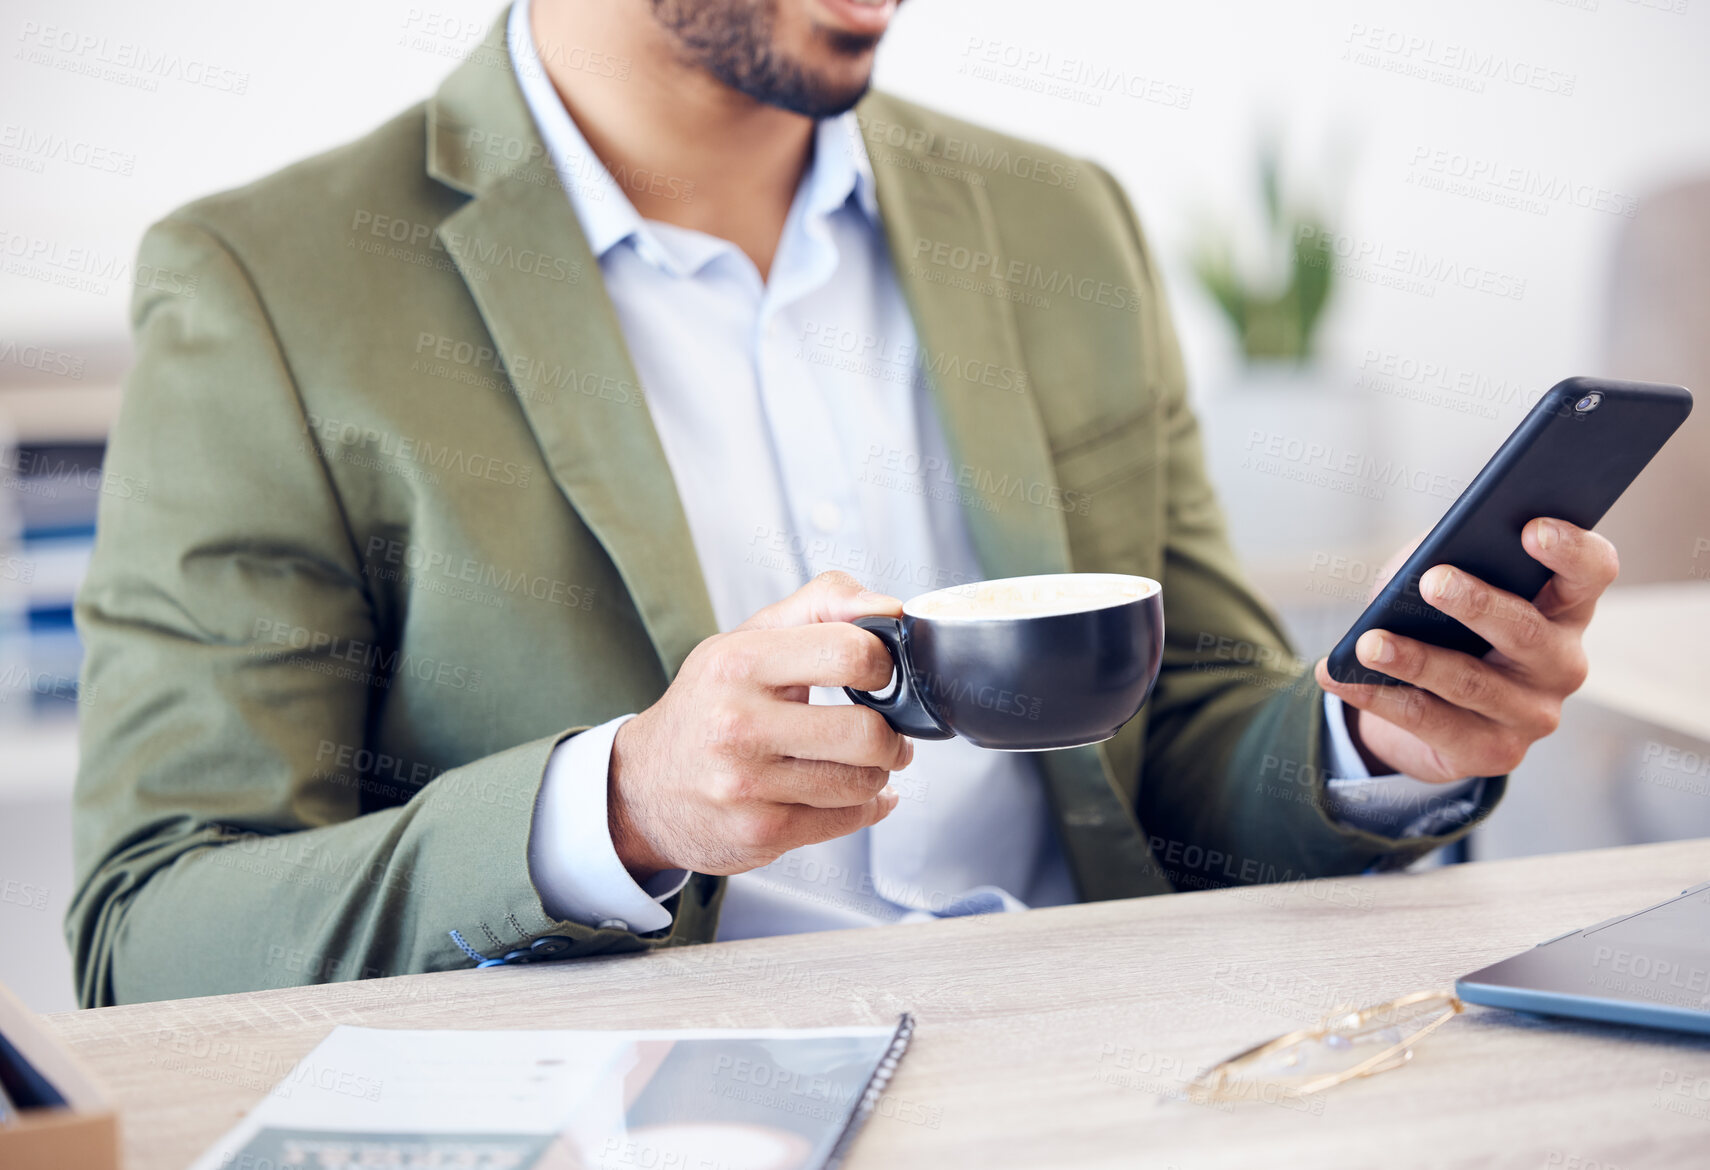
[1347, 1044]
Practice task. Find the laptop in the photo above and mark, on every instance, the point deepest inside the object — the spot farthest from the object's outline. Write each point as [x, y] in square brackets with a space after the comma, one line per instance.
[1651, 968]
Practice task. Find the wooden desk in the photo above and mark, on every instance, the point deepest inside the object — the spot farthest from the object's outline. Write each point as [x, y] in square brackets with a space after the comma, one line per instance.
[1046, 1038]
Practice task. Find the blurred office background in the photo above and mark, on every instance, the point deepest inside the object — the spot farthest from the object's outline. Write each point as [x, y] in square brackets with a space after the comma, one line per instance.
[1424, 214]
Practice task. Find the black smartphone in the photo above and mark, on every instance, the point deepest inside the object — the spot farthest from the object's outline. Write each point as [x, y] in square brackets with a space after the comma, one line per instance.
[1570, 458]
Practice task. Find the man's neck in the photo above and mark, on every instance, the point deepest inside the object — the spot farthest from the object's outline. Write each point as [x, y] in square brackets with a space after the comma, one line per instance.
[672, 130]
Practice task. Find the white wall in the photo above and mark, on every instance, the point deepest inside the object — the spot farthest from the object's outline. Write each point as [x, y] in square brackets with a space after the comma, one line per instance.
[1638, 117]
[311, 75]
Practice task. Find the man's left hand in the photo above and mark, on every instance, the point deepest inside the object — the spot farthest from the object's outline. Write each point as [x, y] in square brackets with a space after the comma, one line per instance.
[1466, 716]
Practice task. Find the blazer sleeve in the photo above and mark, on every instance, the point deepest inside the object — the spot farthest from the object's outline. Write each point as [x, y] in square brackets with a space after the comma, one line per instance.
[1232, 785]
[229, 641]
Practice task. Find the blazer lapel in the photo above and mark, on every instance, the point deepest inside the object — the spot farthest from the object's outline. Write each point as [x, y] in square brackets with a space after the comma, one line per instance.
[521, 251]
[996, 437]
[934, 223]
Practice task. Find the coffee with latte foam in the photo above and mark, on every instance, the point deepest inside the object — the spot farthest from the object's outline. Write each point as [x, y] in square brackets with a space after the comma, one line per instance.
[1020, 597]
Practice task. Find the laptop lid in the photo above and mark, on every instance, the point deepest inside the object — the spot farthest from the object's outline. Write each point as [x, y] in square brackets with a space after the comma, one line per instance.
[1650, 968]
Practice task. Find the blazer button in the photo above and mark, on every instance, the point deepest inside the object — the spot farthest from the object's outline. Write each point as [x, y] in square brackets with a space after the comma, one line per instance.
[519, 956]
[550, 946]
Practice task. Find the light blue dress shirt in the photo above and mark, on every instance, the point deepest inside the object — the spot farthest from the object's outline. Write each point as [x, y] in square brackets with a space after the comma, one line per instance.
[799, 428]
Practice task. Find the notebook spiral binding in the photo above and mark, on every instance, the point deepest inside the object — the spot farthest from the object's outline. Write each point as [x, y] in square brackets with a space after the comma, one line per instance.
[875, 1089]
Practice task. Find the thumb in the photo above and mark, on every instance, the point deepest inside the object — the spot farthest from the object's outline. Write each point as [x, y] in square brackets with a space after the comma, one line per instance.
[829, 597]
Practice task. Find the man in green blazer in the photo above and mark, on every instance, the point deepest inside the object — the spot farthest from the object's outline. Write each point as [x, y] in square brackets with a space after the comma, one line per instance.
[407, 528]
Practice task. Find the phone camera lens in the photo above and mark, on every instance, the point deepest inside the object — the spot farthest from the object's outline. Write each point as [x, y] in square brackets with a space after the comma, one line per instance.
[1589, 403]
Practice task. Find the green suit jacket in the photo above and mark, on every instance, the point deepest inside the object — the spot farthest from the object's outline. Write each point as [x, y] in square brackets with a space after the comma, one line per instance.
[386, 518]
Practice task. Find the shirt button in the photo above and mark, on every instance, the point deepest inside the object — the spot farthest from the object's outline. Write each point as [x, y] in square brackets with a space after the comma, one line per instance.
[827, 516]
[613, 924]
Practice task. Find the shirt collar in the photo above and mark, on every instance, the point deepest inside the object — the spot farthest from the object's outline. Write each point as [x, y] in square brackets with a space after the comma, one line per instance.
[608, 217]
[840, 166]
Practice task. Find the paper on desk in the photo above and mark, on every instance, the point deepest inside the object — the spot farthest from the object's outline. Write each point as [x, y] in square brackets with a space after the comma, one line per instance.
[561, 1100]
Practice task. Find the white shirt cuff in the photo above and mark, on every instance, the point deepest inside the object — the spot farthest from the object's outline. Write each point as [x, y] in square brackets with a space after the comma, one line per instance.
[1341, 758]
[1394, 805]
[571, 858]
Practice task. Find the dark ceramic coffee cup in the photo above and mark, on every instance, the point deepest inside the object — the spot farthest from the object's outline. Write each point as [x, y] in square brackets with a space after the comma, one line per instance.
[1022, 663]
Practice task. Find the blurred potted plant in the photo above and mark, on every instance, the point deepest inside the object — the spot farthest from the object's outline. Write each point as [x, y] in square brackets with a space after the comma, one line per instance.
[1279, 400]
[1275, 312]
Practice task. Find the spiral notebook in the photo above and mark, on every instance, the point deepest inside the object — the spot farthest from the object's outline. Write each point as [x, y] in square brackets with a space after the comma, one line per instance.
[389, 1099]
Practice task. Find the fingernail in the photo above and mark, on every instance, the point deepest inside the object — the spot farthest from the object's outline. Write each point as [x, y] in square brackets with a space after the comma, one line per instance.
[872, 598]
[1375, 648]
[1547, 535]
[1445, 587]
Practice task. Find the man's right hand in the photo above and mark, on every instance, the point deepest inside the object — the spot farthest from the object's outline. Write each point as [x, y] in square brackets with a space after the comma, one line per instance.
[732, 767]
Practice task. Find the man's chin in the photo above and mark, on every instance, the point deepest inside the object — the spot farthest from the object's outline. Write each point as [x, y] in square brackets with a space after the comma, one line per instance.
[818, 74]
[842, 100]
[816, 97]
[840, 77]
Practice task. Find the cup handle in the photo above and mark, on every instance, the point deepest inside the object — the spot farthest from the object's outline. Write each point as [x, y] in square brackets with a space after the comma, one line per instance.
[902, 708]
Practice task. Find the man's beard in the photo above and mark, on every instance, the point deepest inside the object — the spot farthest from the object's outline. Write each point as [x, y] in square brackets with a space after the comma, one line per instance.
[732, 40]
